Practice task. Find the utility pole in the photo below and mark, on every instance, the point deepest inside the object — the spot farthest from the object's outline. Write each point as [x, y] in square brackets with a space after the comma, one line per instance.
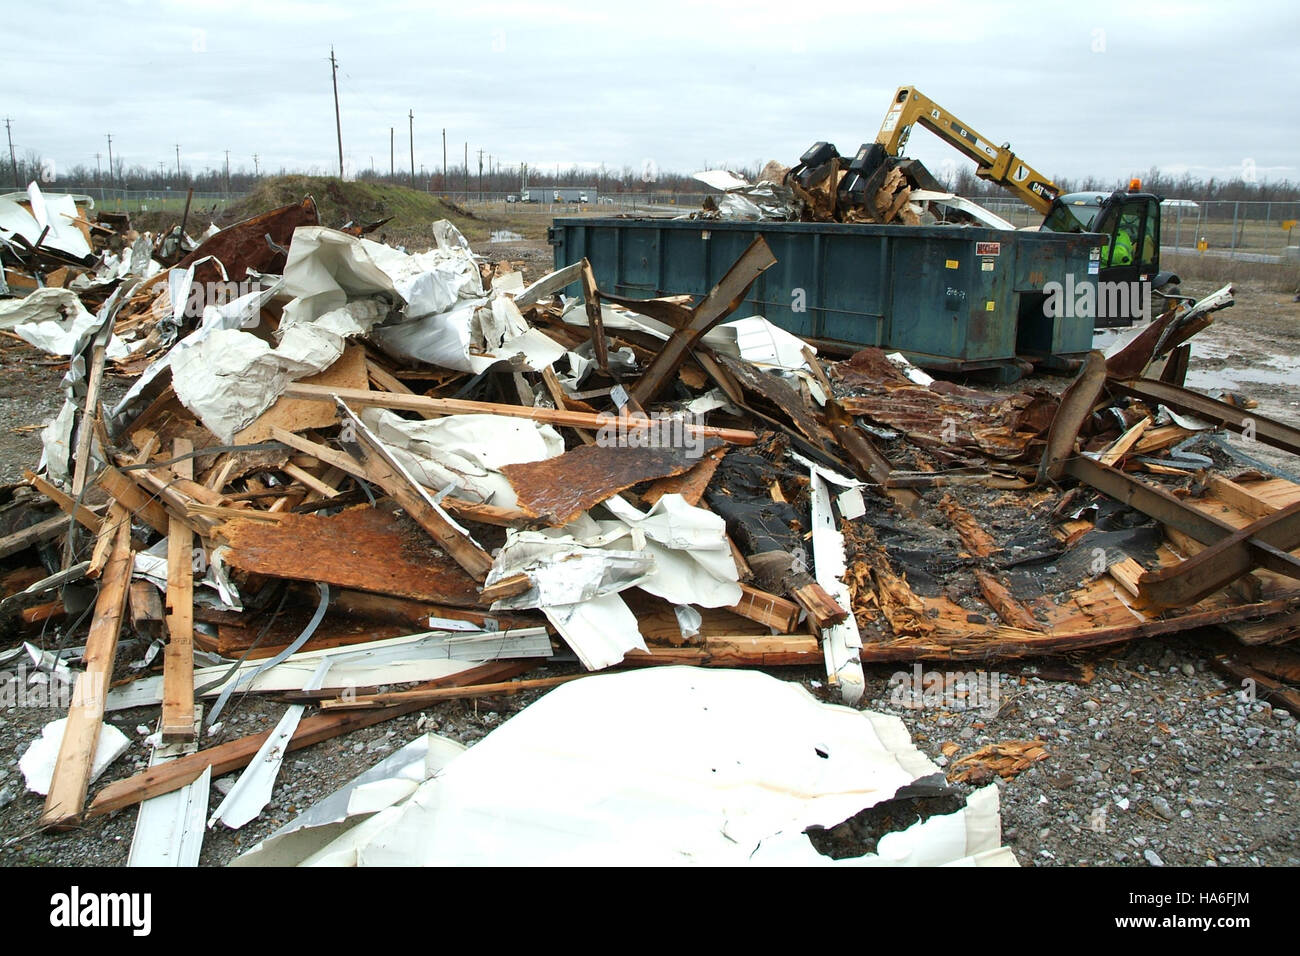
[480, 174]
[98, 175]
[411, 118]
[392, 160]
[12, 159]
[227, 171]
[338, 122]
[444, 157]
[110, 159]
[255, 166]
[466, 199]
[178, 161]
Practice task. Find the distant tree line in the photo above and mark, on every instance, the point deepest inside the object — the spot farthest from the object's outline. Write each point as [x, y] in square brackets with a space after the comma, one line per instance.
[627, 179]
[1186, 186]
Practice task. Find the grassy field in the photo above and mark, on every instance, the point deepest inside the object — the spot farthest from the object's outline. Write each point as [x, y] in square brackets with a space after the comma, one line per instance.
[1219, 270]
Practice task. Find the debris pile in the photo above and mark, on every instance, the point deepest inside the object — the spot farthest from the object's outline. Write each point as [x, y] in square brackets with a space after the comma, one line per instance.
[870, 187]
[342, 468]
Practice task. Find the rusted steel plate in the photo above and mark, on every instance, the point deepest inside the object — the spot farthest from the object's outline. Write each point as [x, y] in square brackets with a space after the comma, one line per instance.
[243, 246]
[558, 490]
[362, 548]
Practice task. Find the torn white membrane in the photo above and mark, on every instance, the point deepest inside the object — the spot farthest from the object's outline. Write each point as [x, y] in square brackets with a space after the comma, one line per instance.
[322, 825]
[682, 766]
[37, 762]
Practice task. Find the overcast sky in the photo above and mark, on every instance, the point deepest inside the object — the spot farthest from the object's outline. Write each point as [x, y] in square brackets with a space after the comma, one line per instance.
[1096, 88]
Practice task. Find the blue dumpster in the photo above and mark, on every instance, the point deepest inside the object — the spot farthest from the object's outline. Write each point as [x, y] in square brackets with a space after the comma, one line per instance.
[950, 298]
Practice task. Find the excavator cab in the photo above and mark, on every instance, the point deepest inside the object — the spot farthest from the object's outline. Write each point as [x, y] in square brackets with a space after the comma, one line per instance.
[1128, 270]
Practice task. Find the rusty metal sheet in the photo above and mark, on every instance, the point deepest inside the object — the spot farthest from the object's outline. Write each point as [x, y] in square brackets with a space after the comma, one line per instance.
[1076, 405]
[559, 489]
[788, 402]
[944, 415]
[363, 548]
[244, 245]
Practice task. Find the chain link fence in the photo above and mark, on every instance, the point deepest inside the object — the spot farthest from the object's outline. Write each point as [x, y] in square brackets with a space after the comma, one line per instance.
[1251, 231]
[143, 200]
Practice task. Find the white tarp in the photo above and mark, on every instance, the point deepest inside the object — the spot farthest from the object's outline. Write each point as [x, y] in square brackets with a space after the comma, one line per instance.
[672, 766]
[57, 212]
[229, 377]
[464, 452]
[324, 823]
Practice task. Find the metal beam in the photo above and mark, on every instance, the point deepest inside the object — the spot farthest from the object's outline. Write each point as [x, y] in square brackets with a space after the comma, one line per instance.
[1265, 542]
[1230, 552]
[1184, 400]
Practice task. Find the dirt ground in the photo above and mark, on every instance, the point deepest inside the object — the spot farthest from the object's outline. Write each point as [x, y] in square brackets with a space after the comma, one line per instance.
[1157, 761]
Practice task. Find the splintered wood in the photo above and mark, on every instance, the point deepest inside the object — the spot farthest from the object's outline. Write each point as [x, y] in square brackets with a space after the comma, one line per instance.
[1005, 760]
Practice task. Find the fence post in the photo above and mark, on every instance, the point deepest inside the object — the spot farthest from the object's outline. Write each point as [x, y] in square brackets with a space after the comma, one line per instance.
[1236, 207]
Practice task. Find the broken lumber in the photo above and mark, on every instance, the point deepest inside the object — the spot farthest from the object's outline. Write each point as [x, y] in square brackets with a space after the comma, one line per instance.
[224, 758]
[71, 780]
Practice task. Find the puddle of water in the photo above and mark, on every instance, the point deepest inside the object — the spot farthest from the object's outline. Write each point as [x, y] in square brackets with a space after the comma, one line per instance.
[1232, 378]
[505, 235]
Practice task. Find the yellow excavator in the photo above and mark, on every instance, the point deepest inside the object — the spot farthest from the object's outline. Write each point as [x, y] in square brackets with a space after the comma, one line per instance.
[1128, 219]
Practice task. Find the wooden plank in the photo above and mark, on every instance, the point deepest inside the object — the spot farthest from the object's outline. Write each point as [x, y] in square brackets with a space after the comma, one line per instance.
[1012, 612]
[823, 610]
[310, 480]
[140, 503]
[591, 302]
[235, 754]
[1121, 445]
[66, 503]
[434, 694]
[178, 657]
[766, 608]
[89, 413]
[146, 608]
[1126, 574]
[71, 778]
[457, 406]
[736, 650]
[117, 514]
[1240, 498]
[24, 538]
[722, 299]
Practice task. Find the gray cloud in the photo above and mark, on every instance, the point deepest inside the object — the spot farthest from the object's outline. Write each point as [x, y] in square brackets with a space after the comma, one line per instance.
[1107, 90]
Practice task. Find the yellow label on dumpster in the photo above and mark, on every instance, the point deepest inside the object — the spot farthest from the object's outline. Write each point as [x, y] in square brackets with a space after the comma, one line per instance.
[988, 306]
[952, 263]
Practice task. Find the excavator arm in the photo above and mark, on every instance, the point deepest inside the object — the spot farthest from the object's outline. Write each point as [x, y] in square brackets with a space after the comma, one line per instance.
[996, 164]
